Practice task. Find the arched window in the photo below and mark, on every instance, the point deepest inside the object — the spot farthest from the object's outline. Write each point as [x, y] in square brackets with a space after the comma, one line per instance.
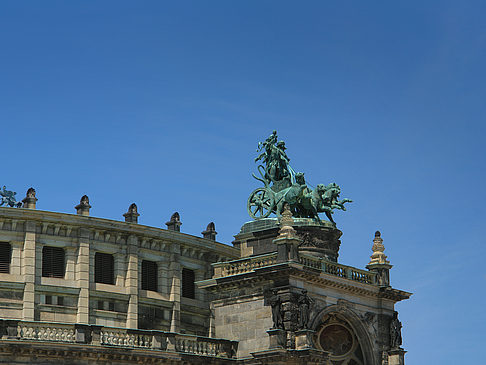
[336, 336]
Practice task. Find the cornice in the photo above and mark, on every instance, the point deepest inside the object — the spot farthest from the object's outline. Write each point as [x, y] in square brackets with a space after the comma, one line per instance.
[107, 230]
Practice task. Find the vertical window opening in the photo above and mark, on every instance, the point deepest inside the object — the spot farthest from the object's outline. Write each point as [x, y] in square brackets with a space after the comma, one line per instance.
[188, 287]
[5, 257]
[104, 268]
[149, 275]
[53, 262]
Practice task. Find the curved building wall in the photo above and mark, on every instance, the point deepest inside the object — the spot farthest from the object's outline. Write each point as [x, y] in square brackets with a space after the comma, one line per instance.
[104, 265]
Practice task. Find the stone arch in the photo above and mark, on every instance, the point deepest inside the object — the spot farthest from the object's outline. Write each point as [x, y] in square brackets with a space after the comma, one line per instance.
[354, 322]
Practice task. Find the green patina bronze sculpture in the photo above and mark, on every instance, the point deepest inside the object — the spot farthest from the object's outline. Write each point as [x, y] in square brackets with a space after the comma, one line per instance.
[7, 197]
[283, 186]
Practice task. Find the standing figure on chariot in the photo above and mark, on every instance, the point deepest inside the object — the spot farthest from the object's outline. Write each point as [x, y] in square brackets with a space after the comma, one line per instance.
[275, 159]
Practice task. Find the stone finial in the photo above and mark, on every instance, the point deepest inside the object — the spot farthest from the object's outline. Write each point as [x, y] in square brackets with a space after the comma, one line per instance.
[378, 257]
[30, 199]
[175, 223]
[379, 264]
[287, 241]
[132, 215]
[83, 207]
[210, 232]
[286, 223]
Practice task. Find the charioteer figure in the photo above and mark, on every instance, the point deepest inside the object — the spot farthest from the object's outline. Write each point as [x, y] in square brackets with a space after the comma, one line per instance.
[284, 186]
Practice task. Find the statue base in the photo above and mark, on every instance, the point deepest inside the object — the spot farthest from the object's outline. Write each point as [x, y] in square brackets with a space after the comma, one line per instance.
[320, 239]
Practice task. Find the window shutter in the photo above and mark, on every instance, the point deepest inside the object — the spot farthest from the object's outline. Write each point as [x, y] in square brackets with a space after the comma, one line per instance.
[149, 275]
[188, 288]
[53, 262]
[104, 268]
[5, 256]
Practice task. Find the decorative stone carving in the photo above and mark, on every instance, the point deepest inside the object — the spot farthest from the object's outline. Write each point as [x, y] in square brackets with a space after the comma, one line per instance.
[175, 222]
[83, 207]
[30, 199]
[379, 262]
[210, 232]
[131, 216]
[378, 257]
[287, 241]
[395, 332]
[305, 303]
[276, 304]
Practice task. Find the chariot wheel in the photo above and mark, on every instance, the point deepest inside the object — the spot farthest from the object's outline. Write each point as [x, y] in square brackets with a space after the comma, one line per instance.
[261, 203]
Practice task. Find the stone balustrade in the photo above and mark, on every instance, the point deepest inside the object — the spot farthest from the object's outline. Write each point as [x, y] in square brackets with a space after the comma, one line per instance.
[335, 269]
[37, 331]
[222, 269]
[117, 337]
[249, 264]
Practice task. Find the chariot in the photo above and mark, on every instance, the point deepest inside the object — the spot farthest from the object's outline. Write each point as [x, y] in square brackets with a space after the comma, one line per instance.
[266, 200]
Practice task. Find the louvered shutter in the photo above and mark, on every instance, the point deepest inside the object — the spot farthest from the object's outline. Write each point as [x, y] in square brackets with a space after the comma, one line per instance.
[188, 278]
[52, 262]
[5, 256]
[104, 268]
[149, 275]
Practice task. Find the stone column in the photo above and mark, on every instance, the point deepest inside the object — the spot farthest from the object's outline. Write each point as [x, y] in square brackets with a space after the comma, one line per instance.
[28, 270]
[131, 282]
[175, 272]
[82, 276]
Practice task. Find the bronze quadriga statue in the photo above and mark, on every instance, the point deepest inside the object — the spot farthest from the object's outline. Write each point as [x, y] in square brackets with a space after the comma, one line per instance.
[283, 186]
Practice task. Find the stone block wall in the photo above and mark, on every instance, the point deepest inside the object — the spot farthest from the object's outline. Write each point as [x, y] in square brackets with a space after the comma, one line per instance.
[246, 320]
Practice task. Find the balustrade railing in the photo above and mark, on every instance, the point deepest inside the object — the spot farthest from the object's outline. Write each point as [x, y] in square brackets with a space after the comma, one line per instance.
[120, 337]
[46, 332]
[244, 265]
[117, 337]
[336, 269]
[223, 269]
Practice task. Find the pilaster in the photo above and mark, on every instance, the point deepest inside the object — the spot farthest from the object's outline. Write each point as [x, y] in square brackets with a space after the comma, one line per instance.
[28, 270]
[82, 276]
[70, 263]
[131, 282]
[16, 263]
[175, 273]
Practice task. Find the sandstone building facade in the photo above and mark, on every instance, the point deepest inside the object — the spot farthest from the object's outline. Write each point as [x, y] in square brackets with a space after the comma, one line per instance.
[80, 289]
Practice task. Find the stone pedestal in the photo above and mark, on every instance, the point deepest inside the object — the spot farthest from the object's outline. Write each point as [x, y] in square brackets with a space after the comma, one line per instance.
[396, 356]
[318, 239]
[278, 337]
[303, 339]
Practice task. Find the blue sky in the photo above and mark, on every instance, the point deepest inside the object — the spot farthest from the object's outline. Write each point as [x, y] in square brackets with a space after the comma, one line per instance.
[163, 104]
